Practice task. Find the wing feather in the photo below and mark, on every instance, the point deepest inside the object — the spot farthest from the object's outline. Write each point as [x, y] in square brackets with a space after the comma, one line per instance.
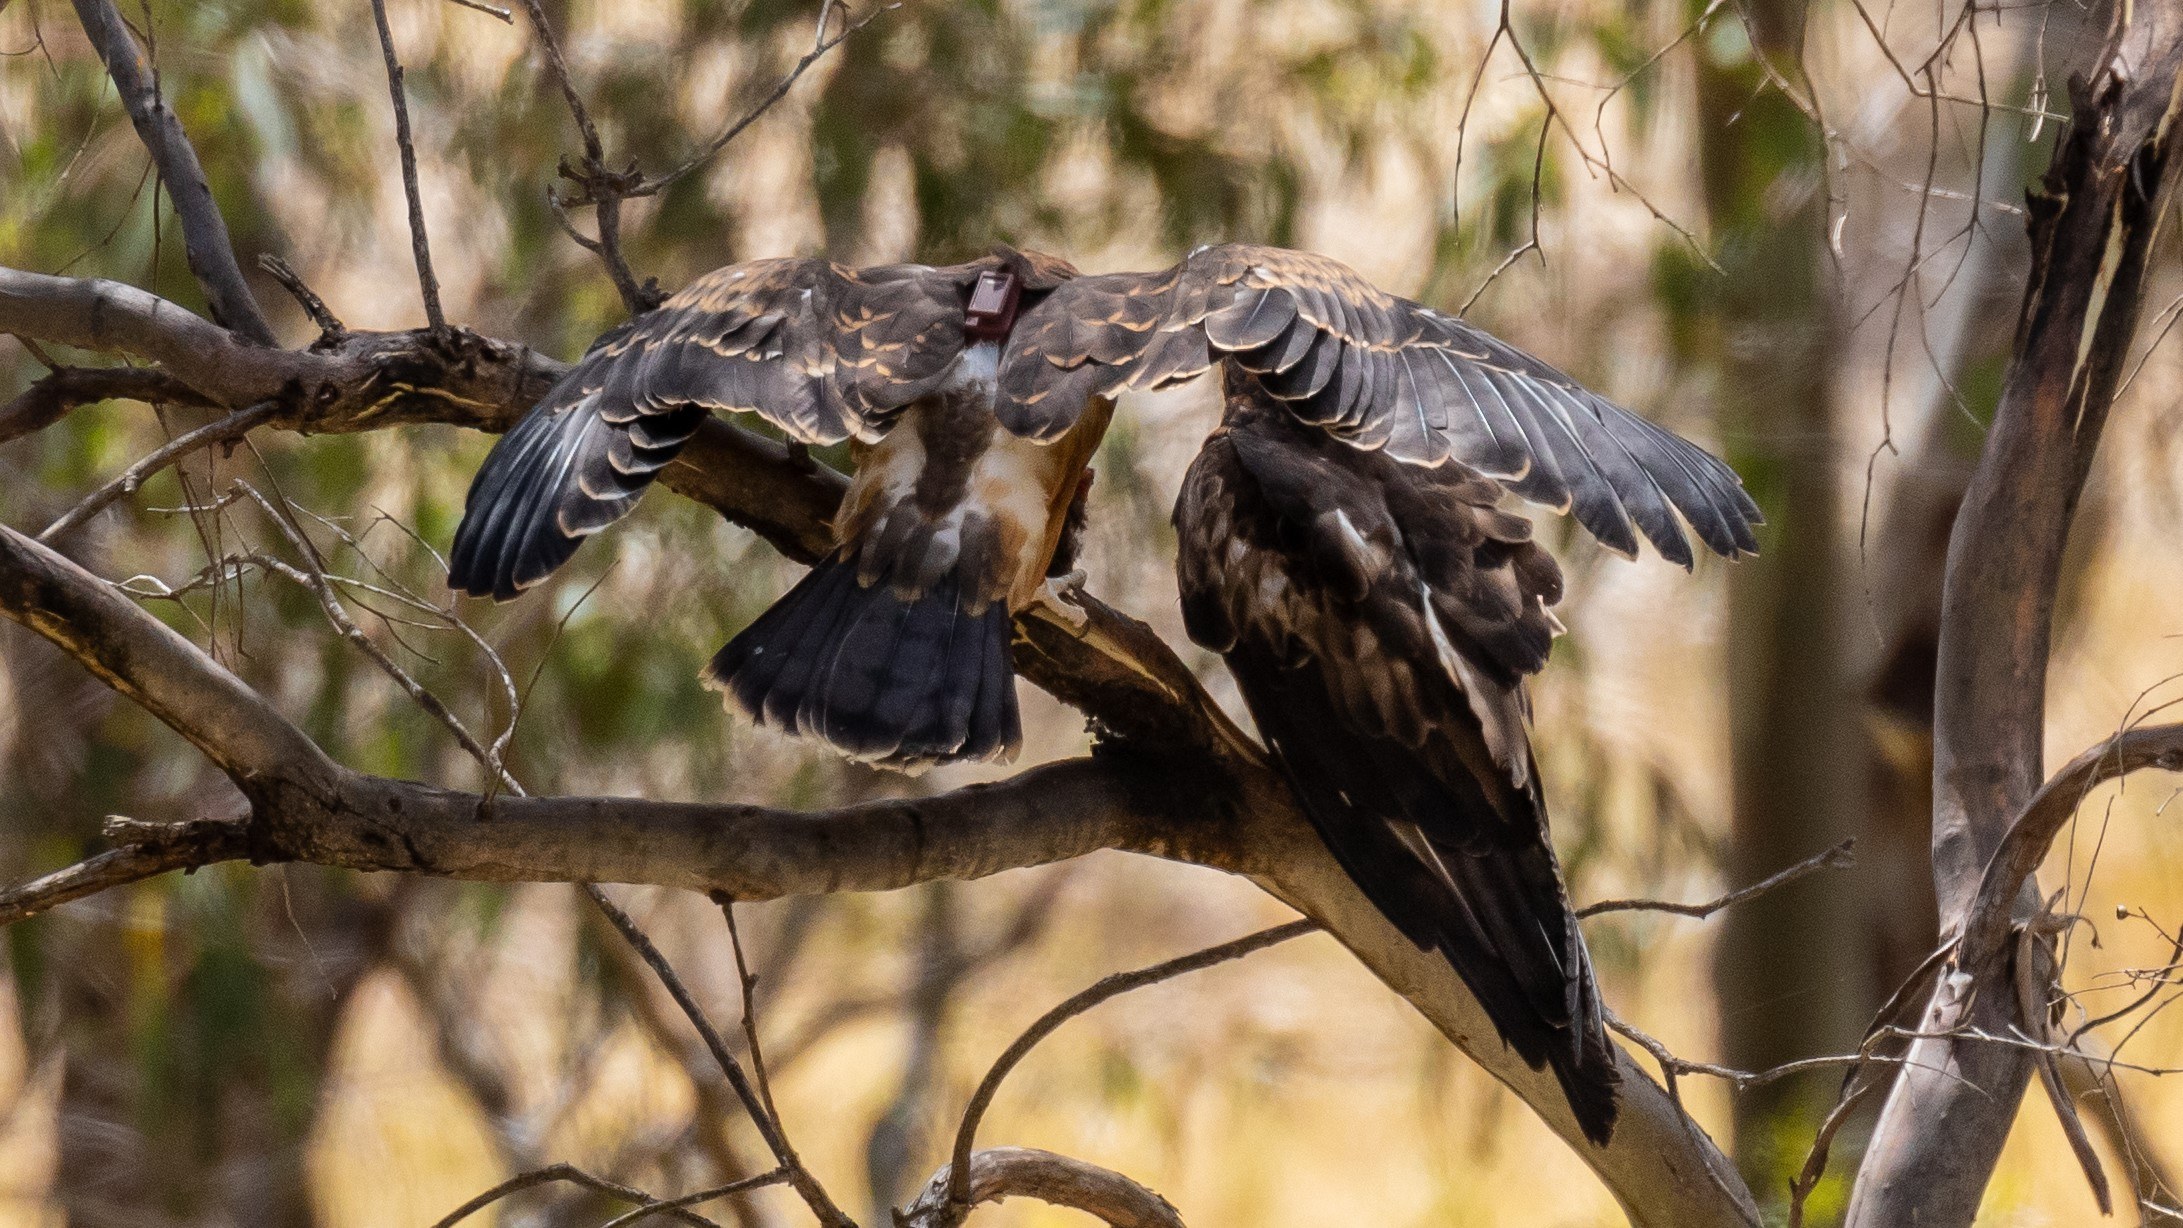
[1378, 372]
[821, 352]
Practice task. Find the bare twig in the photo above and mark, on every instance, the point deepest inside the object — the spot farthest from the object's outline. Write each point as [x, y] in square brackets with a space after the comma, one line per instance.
[749, 984]
[769, 1127]
[607, 188]
[330, 326]
[490, 10]
[204, 234]
[959, 1198]
[576, 1176]
[158, 850]
[428, 283]
[1024, 1172]
[824, 39]
[665, 1206]
[233, 426]
[1839, 857]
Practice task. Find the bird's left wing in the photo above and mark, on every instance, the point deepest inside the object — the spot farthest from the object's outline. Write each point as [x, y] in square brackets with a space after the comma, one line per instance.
[822, 352]
[1378, 372]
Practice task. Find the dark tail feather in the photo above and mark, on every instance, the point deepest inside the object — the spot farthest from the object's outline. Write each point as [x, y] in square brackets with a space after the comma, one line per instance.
[901, 683]
[1483, 891]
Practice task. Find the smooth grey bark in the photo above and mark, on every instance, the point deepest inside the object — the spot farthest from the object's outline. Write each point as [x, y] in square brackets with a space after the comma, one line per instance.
[2093, 227]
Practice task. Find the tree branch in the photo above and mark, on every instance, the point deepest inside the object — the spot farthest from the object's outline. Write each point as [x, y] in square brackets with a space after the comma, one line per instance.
[204, 235]
[959, 1194]
[420, 247]
[758, 1108]
[1025, 1172]
[50, 399]
[232, 427]
[1840, 857]
[156, 850]
[2093, 230]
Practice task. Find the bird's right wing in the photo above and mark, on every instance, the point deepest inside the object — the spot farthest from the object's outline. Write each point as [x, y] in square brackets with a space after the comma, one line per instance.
[823, 353]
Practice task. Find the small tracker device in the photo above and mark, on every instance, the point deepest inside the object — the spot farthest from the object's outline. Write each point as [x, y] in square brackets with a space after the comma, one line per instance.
[993, 303]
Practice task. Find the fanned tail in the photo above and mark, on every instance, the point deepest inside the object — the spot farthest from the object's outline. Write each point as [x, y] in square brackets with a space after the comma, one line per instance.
[902, 682]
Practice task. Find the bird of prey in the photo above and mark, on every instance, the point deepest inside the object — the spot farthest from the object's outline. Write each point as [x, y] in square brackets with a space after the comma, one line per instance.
[1341, 544]
[895, 648]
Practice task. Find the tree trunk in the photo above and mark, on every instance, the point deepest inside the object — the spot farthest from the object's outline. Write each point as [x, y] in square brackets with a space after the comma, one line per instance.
[1799, 759]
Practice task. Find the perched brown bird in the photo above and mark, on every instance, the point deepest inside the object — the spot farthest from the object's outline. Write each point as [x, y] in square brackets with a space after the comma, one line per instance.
[896, 647]
[1340, 543]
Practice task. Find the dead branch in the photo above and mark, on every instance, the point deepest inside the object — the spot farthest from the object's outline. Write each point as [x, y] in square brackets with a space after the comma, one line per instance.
[769, 1127]
[330, 327]
[51, 398]
[161, 850]
[1840, 857]
[959, 1200]
[607, 187]
[2093, 230]
[676, 1207]
[1024, 1172]
[204, 233]
[420, 247]
[824, 39]
[225, 430]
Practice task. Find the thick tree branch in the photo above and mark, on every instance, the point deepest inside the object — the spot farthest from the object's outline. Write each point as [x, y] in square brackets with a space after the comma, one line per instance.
[2093, 230]
[204, 235]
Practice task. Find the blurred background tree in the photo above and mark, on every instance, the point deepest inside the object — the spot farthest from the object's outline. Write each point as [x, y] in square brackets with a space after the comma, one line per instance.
[1745, 220]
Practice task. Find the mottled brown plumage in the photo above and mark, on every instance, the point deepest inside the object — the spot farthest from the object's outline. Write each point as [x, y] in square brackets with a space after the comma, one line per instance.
[896, 647]
[1380, 619]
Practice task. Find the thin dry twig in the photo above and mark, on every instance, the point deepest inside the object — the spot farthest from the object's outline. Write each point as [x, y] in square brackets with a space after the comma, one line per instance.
[749, 983]
[330, 326]
[233, 426]
[1840, 857]
[821, 43]
[959, 1200]
[428, 283]
[769, 1128]
[609, 188]
[647, 1204]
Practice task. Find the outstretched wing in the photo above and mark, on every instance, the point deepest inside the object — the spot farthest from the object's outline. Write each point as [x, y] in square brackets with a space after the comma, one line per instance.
[1378, 372]
[822, 352]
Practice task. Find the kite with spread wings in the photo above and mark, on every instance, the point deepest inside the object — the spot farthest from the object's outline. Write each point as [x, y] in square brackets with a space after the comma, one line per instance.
[1340, 543]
